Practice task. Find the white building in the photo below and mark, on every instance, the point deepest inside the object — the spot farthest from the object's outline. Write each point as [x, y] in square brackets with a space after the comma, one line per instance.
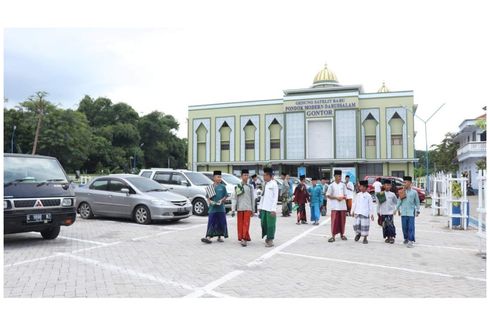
[472, 148]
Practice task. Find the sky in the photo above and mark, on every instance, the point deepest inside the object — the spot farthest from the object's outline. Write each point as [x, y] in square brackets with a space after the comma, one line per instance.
[254, 52]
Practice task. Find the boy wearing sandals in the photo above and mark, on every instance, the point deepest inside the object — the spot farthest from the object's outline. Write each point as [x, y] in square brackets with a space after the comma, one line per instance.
[337, 193]
[362, 210]
[217, 213]
[386, 209]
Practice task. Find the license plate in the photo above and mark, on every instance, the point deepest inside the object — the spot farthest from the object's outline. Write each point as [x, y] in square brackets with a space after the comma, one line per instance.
[38, 218]
[181, 209]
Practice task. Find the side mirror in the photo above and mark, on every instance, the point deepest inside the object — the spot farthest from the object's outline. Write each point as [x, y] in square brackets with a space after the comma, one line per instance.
[185, 183]
[125, 191]
[77, 174]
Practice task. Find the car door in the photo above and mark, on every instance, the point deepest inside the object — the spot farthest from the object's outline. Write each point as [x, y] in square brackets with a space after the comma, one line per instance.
[177, 184]
[119, 204]
[97, 195]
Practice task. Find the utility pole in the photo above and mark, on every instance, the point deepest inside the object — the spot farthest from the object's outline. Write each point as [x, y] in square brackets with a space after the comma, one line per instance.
[12, 139]
[39, 106]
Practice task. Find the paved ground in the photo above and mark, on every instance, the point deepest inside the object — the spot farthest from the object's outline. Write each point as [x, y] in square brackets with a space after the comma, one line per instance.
[115, 258]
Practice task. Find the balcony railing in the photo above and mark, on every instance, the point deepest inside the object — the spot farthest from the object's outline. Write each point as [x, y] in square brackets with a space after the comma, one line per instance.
[478, 148]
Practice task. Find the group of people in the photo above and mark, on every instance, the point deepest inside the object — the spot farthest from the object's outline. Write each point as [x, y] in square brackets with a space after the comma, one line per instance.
[338, 196]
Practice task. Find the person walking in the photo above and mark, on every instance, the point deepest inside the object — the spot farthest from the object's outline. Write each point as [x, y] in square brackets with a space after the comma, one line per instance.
[290, 203]
[337, 193]
[216, 195]
[316, 200]
[350, 193]
[267, 207]
[386, 201]
[244, 206]
[362, 210]
[285, 198]
[408, 207]
[301, 197]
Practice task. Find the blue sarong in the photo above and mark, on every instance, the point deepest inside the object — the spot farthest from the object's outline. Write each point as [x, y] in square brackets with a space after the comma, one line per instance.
[315, 213]
[217, 225]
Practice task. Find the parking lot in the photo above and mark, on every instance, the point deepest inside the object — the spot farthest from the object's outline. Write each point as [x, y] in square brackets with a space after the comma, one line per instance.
[117, 258]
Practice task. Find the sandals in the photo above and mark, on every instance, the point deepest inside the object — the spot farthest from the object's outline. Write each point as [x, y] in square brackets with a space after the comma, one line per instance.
[358, 236]
[221, 240]
[332, 239]
[343, 237]
[365, 241]
[206, 240]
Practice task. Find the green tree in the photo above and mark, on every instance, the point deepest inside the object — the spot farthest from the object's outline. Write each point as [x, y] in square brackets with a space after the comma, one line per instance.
[161, 144]
[445, 154]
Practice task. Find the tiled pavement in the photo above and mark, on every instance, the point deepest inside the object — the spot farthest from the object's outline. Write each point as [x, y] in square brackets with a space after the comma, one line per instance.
[114, 258]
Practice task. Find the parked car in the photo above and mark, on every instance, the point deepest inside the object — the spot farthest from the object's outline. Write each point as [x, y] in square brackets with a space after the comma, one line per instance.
[189, 184]
[229, 181]
[131, 196]
[37, 195]
[396, 181]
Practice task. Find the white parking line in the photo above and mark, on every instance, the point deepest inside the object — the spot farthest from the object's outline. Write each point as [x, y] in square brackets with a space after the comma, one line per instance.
[82, 240]
[416, 245]
[184, 228]
[409, 270]
[152, 235]
[231, 275]
[140, 275]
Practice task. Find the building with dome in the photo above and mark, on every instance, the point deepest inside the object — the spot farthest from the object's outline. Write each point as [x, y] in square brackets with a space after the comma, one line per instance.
[311, 130]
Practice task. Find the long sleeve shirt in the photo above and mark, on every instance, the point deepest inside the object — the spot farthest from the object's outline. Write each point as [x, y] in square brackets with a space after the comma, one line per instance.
[301, 195]
[268, 201]
[246, 200]
[389, 206]
[316, 195]
[410, 204]
[363, 204]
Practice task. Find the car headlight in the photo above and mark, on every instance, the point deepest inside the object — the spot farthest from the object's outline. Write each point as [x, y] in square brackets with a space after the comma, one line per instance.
[6, 204]
[188, 202]
[160, 202]
[67, 202]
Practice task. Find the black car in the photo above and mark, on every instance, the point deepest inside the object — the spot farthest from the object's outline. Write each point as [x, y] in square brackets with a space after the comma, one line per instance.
[37, 195]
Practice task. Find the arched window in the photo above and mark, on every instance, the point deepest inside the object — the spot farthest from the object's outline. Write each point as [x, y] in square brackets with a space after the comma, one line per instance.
[370, 124]
[225, 132]
[275, 140]
[249, 130]
[396, 125]
[201, 134]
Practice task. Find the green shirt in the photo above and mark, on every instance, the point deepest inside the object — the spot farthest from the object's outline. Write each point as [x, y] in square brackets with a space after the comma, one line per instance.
[410, 204]
[220, 193]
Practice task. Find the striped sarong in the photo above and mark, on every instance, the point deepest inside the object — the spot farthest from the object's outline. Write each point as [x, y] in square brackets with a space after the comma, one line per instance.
[361, 225]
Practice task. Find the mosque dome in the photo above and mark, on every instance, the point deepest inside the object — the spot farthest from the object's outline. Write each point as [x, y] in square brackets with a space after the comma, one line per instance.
[383, 89]
[325, 77]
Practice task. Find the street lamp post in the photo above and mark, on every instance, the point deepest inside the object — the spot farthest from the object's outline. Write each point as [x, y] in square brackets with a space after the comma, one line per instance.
[12, 139]
[427, 183]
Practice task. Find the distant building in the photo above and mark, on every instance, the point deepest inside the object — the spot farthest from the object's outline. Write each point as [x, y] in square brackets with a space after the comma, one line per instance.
[472, 148]
[311, 130]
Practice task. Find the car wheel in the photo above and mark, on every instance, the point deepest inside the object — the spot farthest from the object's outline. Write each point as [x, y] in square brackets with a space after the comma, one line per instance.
[85, 211]
[51, 233]
[142, 215]
[199, 207]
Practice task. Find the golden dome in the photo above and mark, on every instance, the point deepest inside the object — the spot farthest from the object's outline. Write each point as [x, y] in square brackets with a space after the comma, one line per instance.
[325, 76]
[383, 89]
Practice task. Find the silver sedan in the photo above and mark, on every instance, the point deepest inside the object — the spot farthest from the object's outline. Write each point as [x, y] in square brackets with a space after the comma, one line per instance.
[130, 196]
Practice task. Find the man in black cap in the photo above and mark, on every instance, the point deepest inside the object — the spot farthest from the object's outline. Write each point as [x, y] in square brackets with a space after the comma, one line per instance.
[284, 193]
[244, 206]
[337, 193]
[363, 209]
[408, 207]
[316, 200]
[216, 195]
[267, 207]
[301, 197]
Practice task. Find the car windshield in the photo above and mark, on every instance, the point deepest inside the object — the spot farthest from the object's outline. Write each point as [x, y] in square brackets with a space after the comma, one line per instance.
[231, 179]
[198, 179]
[145, 185]
[32, 170]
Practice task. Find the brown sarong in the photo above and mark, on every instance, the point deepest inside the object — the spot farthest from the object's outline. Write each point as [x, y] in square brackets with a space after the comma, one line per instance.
[338, 222]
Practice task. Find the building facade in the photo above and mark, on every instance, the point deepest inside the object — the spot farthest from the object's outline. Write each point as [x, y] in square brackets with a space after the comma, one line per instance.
[472, 148]
[311, 130]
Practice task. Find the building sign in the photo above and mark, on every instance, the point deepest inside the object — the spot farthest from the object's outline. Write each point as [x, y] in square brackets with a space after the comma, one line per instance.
[320, 107]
